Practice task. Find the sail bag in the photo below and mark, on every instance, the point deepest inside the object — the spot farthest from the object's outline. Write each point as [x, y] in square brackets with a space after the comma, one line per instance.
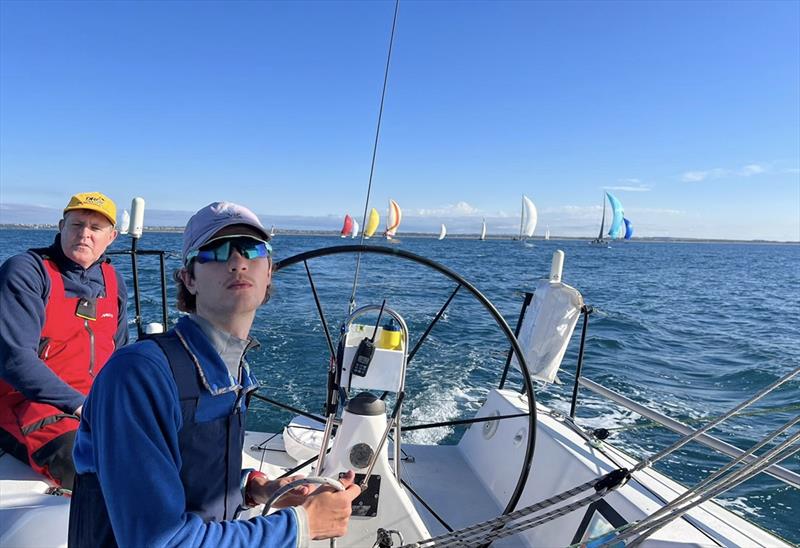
[547, 328]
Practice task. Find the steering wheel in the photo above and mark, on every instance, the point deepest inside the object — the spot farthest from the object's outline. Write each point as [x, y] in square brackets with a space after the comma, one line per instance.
[316, 480]
[460, 283]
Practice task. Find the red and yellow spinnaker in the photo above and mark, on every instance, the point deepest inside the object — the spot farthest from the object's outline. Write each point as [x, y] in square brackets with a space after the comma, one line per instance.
[395, 215]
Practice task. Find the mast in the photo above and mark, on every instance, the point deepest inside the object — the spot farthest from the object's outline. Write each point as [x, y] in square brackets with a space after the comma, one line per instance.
[522, 217]
[603, 222]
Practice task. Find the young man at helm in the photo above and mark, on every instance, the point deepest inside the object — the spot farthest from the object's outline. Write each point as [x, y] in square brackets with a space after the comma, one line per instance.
[158, 454]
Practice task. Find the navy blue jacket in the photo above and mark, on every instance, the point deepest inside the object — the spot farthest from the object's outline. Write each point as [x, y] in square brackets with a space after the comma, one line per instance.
[24, 292]
[135, 414]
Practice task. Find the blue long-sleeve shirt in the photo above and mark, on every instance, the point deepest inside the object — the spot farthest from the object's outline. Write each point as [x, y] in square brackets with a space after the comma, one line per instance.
[24, 292]
[128, 437]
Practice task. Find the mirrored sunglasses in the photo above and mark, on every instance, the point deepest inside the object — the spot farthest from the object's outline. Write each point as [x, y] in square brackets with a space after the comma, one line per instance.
[220, 251]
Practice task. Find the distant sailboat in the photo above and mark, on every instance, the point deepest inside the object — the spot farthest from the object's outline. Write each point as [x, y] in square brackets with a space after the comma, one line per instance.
[547, 233]
[354, 232]
[483, 230]
[272, 231]
[347, 227]
[393, 222]
[372, 223]
[442, 232]
[126, 222]
[528, 218]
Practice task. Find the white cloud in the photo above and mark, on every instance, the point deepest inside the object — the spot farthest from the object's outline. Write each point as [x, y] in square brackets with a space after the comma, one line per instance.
[751, 169]
[630, 188]
[460, 209]
[654, 211]
[697, 176]
[718, 172]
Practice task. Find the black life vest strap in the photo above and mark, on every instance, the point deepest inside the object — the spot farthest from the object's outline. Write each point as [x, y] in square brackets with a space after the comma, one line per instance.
[181, 363]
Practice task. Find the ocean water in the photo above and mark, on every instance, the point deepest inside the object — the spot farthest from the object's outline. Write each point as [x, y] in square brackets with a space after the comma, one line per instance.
[690, 329]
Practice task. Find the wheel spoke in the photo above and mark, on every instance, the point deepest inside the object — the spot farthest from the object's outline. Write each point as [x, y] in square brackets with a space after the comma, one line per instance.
[319, 310]
[430, 326]
[461, 422]
[288, 407]
[528, 299]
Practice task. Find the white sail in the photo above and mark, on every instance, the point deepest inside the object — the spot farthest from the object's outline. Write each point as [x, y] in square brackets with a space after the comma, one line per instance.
[126, 222]
[547, 233]
[354, 232]
[483, 230]
[529, 217]
[442, 232]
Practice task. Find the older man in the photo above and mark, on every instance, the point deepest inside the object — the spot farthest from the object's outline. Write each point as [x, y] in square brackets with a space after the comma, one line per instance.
[63, 314]
[159, 450]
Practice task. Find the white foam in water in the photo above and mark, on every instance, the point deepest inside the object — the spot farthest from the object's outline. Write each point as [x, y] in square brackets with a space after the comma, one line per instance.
[436, 404]
[739, 506]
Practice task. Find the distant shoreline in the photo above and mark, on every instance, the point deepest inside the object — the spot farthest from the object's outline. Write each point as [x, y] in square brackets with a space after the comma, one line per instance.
[335, 234]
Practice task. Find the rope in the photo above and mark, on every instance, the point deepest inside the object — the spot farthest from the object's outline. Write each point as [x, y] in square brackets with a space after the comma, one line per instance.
[719, 473]
[480, 533]
[352, 305]
[672, 511]
[723, 486]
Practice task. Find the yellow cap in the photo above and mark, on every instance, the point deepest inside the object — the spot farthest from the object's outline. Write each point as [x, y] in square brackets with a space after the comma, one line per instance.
[94, 201]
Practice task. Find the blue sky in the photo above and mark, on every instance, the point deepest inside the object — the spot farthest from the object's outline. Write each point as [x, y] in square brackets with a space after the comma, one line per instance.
[689, 111]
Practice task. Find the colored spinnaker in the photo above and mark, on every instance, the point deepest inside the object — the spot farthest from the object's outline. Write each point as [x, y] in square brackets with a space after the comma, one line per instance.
[372, 223]
[347, 226]
[393, 222]
[617, 228]
[628, 228]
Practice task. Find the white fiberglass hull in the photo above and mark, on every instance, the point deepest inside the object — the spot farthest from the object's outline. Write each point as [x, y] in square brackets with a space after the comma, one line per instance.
[464, 484]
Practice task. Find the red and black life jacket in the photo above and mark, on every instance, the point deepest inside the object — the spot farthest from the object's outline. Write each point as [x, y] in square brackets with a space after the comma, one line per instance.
[75, 348]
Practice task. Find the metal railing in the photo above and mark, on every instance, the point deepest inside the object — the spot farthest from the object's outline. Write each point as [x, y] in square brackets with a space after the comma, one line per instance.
[778, 472]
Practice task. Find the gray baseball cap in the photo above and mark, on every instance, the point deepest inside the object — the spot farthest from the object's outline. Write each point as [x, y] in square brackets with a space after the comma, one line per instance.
[205, 225]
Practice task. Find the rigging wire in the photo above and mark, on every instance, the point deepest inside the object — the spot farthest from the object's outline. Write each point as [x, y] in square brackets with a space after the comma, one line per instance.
[352, 304]
[649, 525]
[644, 463]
